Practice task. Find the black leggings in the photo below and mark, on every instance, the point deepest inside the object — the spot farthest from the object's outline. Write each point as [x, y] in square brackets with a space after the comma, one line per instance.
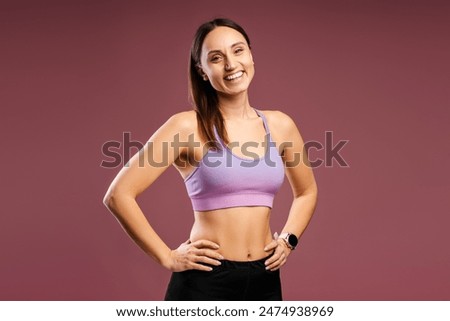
[231, 281]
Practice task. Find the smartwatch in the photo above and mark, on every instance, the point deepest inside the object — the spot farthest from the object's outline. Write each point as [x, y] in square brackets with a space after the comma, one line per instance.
[290, 240]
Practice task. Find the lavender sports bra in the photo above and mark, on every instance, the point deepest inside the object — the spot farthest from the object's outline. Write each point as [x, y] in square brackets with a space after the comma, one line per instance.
[222, 179]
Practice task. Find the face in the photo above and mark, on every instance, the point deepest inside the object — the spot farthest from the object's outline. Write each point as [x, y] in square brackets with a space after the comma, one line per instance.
[226, 61]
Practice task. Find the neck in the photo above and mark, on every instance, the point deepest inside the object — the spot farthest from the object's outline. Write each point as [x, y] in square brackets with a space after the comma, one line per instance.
[236, 107]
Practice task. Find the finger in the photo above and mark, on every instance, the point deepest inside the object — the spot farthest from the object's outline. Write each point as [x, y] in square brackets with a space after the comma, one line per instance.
[277, 267]
[201, 267]
[275, 257]
[273, 244]
[207, 260]
[209, 254]
[206, 243]
[277, 264]
[279, 251]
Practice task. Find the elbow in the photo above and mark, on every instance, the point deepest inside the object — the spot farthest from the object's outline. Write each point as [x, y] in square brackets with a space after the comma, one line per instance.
[310, 191]
[111, 198]
[112, 203]
[314, 192]
[114, 200]
[108, 200]
[309, 195]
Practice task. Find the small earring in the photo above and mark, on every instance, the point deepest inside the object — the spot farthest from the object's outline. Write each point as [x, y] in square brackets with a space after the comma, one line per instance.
[205, 78]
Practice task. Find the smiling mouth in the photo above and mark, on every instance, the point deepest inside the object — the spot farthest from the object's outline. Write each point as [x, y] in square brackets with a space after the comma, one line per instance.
[235, 75]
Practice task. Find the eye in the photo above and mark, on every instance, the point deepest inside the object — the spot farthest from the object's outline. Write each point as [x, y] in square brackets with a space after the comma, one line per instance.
[215, 58]
[238, 50]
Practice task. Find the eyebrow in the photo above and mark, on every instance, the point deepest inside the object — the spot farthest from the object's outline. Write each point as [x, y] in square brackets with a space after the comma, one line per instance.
[233, 45]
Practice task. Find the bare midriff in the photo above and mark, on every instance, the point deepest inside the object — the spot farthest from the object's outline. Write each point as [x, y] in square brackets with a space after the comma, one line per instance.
[241, 232]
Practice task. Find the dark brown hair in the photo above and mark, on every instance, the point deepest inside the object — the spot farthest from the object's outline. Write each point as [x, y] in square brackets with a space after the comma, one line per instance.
[203, 95]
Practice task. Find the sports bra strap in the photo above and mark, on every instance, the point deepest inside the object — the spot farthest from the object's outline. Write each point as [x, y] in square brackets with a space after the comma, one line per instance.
[266, 127]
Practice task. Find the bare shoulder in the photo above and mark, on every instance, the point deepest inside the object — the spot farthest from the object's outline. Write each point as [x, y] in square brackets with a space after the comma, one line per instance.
[183, 123]
[184, 120]
[280, 123]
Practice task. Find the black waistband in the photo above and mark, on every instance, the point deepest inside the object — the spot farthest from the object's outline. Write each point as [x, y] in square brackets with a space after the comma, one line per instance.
[244, 264]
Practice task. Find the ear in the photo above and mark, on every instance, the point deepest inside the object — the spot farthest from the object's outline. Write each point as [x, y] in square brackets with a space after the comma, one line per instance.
[201, 72]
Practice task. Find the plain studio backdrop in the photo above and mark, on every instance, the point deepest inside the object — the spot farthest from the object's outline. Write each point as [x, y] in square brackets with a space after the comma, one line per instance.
[76, 75]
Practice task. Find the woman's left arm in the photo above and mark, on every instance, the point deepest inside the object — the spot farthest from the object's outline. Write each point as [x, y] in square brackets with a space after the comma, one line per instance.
[303, 185]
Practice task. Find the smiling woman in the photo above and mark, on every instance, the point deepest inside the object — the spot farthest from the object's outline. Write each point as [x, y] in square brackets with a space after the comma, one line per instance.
[231, 253]
[229, 68]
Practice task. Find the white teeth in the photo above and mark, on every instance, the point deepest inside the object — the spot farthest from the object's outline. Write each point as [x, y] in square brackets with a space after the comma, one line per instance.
[234, 76]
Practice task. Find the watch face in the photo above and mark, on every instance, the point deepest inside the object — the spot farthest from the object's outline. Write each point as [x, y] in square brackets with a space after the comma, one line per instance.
[293, 240]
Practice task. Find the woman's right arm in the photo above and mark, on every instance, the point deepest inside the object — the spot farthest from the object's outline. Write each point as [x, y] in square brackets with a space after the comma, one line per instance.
[139, 173]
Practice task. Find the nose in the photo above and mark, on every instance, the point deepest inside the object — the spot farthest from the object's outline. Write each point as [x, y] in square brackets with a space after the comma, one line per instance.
[230, 64]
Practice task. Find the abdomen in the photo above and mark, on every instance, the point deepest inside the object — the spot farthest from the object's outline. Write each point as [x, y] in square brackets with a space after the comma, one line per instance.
[241, 232]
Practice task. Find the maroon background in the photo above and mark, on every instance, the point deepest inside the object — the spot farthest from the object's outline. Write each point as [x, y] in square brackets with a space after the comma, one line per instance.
[76, 74]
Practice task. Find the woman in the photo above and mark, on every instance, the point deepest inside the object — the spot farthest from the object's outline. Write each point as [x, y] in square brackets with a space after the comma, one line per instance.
[233, 159]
